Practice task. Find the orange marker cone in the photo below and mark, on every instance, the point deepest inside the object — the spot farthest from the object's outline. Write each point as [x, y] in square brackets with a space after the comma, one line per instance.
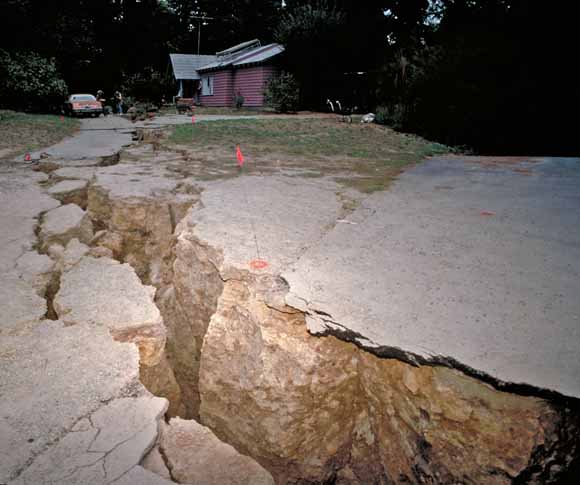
[239, 156]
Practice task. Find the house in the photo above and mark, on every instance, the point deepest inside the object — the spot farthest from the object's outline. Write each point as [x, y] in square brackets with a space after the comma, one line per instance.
[185, 72]
[216, 80]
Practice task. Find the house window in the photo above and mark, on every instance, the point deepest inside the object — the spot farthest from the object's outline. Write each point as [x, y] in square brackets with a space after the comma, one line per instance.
[207, 85]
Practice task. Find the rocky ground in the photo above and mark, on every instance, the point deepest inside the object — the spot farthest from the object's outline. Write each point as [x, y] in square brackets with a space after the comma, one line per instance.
[162, 329]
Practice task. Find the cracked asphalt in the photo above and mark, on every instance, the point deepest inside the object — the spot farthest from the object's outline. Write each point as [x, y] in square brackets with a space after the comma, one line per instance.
[469, 261]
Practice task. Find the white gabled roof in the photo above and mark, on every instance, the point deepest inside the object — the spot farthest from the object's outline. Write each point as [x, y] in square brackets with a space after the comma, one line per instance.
[185, 65]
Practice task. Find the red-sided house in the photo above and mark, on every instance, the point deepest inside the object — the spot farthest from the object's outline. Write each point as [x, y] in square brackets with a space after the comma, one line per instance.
[243, 69]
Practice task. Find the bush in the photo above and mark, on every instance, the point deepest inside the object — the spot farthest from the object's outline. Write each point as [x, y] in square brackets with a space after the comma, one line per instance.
[148, 85]
[393, 116]
[282, 93]
[29, 82]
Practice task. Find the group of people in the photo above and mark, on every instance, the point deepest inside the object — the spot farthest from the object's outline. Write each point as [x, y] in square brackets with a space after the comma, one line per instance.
[117, 101]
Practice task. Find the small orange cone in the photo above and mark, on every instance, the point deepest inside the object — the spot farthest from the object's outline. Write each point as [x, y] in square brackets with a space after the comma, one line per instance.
[239, 156]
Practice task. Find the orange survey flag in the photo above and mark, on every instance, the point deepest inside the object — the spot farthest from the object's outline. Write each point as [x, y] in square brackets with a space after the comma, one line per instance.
[239, 156]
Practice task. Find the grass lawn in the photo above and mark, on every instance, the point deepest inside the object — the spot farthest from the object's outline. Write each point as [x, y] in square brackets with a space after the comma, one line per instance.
[21, 133]
[363, 156]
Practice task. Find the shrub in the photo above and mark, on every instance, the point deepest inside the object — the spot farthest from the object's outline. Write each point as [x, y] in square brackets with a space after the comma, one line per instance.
[148, 85]
[29, 82]
[282, 93]
[393, 116]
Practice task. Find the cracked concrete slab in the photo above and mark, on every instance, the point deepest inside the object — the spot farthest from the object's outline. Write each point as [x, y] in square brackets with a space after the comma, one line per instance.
[74, 173]
[20, 303]
[273, 219]
[439, 265]
[38, 414]
[53, 377]
[22, 200]
[134, 180]
[102, 447]
[128, 430]
[98, 137]
[70, 191]
[64, 223]
[71, 254]
[138, 475]
[36, 269]
[464, 263]
[102, 291]
[463, 260]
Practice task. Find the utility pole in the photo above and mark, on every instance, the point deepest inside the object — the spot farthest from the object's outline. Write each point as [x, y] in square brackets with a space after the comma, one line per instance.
[200, 21]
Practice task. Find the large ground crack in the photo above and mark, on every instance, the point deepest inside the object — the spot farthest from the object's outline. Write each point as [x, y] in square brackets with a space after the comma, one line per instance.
[322, 408]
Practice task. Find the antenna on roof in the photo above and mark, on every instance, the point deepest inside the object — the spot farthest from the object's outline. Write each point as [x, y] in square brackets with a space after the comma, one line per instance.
[200, 20]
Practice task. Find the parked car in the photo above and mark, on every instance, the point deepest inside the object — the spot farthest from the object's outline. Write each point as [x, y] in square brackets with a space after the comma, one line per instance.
[82, 104]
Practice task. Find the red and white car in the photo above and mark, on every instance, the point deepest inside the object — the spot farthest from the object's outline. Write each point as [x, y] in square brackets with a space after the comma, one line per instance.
[82, 104]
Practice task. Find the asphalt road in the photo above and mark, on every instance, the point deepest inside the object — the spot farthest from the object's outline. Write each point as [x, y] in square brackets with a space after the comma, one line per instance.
[98, 137]
[474, 260]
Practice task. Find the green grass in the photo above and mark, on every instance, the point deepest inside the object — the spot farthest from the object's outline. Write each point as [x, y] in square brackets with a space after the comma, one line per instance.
[21, 132]
[366, 157]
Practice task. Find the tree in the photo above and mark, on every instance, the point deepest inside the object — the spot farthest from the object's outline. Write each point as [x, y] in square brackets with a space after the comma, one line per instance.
[311, 33]
[230, 22]
[495, 75]
[148, 85]
[30, 82]
[332, 47]
[282, 93]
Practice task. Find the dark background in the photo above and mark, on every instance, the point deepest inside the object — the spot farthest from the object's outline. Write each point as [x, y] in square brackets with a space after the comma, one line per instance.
[496, 76]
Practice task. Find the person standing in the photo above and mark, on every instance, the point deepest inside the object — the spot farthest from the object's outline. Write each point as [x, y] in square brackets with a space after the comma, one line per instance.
[101, 99]
[118, 102]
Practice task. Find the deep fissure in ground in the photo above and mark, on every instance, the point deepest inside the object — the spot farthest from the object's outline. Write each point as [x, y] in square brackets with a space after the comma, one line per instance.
[316, 409]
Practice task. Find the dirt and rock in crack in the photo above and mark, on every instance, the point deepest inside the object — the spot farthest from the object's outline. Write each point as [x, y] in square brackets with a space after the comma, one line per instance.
[313, 409]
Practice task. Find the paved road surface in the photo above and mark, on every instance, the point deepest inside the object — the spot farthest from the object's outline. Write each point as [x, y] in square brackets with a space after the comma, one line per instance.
[98, 137]
[465, 259]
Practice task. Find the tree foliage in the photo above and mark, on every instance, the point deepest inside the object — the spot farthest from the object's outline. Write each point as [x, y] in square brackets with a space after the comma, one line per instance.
[147, 85]
[491, 74]
[498, 75]
[282, 93]
[30, 82]
[311, 33]
[227, 24]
